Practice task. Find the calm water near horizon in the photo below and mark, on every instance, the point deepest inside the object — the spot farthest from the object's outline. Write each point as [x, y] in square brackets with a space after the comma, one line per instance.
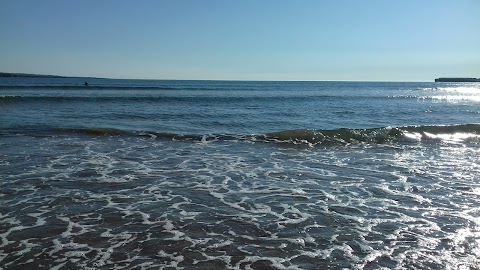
[146, 174]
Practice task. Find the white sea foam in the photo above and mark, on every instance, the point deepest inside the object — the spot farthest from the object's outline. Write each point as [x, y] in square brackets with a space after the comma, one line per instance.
[222, 206]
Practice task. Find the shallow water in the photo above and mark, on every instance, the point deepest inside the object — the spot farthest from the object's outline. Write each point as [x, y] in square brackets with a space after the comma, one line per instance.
[80, 190]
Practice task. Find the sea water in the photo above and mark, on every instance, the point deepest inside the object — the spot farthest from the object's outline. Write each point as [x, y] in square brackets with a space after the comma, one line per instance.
[139, 174]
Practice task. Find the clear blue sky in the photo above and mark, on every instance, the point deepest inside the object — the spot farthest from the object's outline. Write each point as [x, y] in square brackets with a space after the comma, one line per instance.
[408, 40]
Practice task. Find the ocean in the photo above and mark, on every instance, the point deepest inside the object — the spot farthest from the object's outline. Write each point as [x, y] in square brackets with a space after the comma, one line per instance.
[156, 174]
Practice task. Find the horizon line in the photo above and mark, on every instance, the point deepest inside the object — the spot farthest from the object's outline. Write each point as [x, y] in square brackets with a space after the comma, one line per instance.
[21, 74]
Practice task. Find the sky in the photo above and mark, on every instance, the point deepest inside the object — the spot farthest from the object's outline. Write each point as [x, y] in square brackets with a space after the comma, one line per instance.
[369, 40]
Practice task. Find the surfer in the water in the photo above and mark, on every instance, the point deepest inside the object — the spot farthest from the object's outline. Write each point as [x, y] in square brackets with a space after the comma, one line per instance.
[86, 83]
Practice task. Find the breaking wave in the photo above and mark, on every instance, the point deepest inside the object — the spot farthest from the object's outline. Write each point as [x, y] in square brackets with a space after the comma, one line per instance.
[342, 136]
[445, 133]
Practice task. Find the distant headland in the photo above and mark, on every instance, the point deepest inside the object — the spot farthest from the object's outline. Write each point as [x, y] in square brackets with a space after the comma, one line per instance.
[457, 80]
[26, 75]
[4, 74]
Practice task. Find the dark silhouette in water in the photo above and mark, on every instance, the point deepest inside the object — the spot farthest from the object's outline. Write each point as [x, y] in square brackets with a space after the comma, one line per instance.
[457, 80]
[86, 83]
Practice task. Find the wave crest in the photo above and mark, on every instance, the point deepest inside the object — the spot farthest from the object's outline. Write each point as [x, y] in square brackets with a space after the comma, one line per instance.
[343, 136]
[446, 133]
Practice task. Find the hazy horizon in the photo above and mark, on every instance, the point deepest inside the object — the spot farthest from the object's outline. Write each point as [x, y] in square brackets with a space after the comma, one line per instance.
[162, 79]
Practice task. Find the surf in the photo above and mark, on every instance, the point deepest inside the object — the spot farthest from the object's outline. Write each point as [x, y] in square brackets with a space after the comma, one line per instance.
[341, 136]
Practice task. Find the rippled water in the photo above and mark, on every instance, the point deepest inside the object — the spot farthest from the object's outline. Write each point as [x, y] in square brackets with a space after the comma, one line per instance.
[134, 195]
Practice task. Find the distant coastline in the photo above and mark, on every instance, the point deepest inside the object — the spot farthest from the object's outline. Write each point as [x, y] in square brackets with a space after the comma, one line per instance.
[27, 75]
[5, 74]
[457, 80]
